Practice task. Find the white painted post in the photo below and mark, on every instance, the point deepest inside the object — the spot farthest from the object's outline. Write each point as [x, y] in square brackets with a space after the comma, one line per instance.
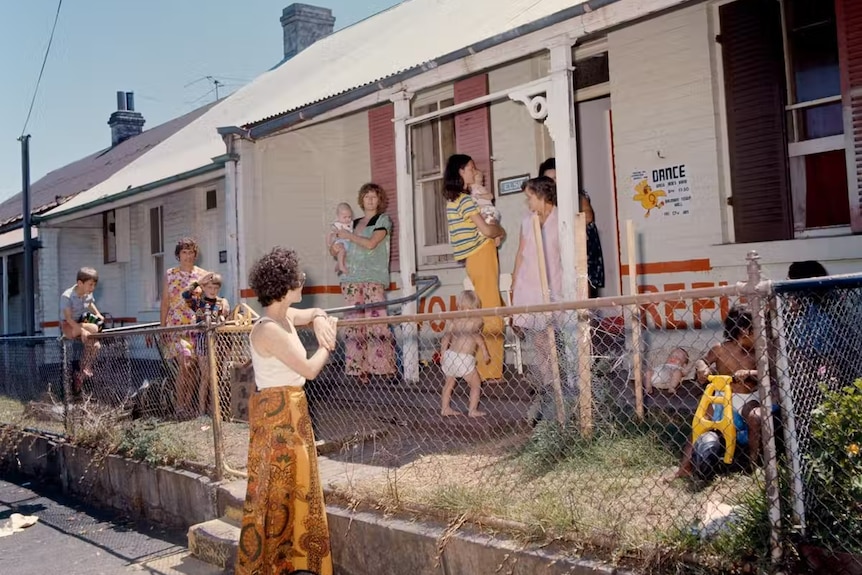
[561, 124]
[230, 214]
[406, 235]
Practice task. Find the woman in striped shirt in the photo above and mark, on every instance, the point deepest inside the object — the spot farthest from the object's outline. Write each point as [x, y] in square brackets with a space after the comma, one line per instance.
[474, 241]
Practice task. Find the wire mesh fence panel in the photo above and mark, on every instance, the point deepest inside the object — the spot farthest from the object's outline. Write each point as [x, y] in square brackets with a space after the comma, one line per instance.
[143, 394]
[564, 439]
[603, 424]
[31, 381]
[819, 366]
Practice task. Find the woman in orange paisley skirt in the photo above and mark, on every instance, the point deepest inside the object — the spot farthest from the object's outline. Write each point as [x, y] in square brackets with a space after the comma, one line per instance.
[284, 525]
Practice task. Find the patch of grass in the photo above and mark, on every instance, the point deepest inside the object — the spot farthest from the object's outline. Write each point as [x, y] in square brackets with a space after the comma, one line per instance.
[153, 443]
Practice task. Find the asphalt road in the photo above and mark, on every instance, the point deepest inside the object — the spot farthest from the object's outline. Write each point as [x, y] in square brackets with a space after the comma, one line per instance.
[74, 539]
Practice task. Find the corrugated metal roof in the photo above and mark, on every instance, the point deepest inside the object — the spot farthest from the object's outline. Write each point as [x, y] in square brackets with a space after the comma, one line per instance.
[60, 185]
[402, 37]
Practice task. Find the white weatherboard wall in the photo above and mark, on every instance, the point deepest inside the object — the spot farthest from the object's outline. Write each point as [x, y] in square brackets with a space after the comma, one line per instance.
[516, 146]
[662, 102]
[184, 215]
[300, 177]
[665, 82]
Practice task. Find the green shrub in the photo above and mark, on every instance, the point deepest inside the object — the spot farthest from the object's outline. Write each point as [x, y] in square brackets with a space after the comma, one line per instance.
[834, 470]
[153, 444]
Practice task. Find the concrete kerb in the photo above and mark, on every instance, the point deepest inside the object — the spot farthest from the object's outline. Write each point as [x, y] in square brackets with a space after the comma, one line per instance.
[363, 542]
[172, 497]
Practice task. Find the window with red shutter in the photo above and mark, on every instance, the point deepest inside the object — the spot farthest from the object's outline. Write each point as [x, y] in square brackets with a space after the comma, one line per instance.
[381, 134]
[789, 171]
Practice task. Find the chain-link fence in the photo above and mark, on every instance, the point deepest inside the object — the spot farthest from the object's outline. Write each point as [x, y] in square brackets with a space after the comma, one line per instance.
[601, 429]
[818, 330]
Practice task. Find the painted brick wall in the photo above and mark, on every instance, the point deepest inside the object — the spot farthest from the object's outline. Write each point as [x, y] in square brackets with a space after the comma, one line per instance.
[662, 102]
[381, 144]
[472, 129]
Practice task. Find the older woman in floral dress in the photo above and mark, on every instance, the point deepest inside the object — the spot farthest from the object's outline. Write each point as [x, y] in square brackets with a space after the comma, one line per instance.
[176, 312]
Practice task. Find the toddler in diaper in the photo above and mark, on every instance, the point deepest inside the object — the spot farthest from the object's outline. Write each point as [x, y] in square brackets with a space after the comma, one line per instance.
[668, 376]
[461, 341]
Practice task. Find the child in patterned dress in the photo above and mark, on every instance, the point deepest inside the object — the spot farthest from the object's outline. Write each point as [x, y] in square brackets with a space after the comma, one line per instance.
[210, 309]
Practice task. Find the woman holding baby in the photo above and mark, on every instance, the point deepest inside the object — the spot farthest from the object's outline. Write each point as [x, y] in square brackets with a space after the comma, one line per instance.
[474, 234]
[368, 350]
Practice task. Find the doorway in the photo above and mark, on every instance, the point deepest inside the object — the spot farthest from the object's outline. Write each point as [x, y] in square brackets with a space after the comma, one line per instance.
[596, 177]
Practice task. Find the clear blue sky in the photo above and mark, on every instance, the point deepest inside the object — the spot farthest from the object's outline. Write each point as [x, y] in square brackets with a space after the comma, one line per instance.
[152, 48]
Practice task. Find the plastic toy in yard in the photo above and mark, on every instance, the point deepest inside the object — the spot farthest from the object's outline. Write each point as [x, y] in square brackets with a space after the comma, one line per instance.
[714, 439]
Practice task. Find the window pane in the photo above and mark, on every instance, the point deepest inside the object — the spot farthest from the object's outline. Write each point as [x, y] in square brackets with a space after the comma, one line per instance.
[447, 136]
[426, 148]
[813, 40]
[821, 121]
[159, 273]
[156, 230]
[434, 208]
[592, 71]
[109, 236]
[826, 199]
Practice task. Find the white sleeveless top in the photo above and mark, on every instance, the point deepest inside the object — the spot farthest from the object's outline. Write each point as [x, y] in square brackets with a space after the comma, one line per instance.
[270, 371]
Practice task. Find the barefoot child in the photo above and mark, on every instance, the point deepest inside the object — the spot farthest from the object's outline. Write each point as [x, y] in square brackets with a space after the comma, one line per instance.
[203, 298]
[80, 318]
[343, 221]
[460, 342]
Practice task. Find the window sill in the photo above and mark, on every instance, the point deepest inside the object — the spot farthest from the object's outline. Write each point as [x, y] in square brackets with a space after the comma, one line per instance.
[826, 232]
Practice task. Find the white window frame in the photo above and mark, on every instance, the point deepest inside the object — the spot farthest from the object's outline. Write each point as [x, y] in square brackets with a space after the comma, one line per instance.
[156, 280]
[424, 251]
[797, 149]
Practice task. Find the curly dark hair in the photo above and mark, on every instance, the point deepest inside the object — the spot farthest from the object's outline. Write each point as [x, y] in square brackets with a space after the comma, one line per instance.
[453, 183]
[186, 244]
[381, 195]
[275, 274]
[738, 321]
[543, 188]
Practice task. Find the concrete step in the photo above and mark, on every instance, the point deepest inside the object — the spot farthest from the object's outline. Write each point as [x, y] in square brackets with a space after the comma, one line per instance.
[215, 542]
[230, 498]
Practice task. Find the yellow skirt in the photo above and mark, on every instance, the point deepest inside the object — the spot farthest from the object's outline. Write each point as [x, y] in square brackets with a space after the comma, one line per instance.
[284, 524]
[483, 269]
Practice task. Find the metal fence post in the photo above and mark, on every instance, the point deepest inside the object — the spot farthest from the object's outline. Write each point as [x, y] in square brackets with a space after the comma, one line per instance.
[67, 385]
[218, 438]
[756, 301]
[788, 416]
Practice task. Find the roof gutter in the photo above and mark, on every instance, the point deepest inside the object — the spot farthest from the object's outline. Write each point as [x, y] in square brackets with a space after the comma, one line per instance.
[217, 164]
[288, 119]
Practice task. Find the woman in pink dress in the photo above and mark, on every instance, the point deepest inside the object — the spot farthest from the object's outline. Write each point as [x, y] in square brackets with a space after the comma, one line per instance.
[541, 197]
[176, 312]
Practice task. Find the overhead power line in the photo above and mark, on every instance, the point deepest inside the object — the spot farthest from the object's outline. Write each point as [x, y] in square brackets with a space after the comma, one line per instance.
[42, 69]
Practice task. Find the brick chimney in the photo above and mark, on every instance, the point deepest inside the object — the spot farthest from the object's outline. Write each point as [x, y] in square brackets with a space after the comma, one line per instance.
[125, 123]
[303, 26]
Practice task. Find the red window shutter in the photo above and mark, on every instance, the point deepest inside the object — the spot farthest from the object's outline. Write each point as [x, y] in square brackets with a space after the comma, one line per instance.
[755, 93]
[381, 135]
[473, 128]
[849, 19]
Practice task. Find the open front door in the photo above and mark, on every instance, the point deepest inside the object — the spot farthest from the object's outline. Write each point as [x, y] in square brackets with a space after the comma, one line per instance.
[596, 174]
